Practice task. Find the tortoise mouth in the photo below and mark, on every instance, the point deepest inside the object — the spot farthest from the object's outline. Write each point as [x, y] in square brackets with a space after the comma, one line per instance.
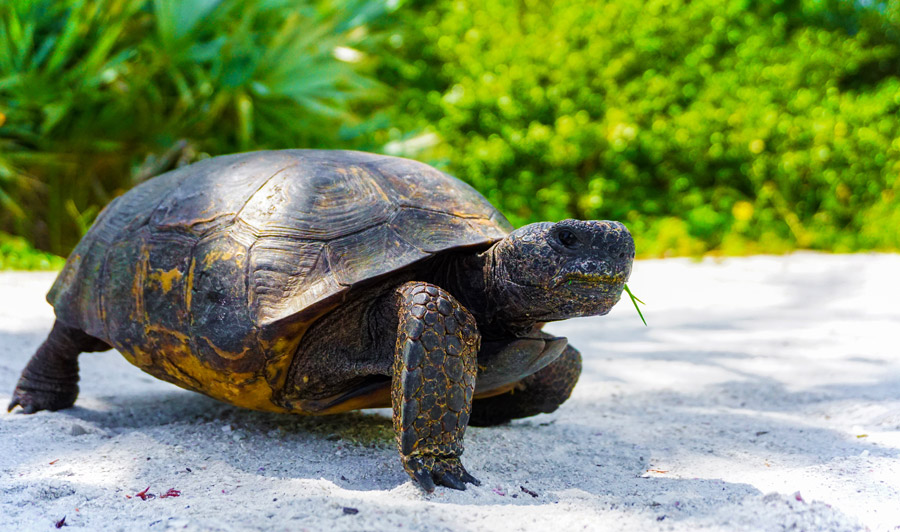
[592, 282]
[590, 294]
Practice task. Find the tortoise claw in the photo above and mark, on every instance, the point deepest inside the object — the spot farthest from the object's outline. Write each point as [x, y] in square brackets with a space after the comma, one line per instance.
[32, 401]
[423, 478]
[430, 471]
[452, 481]
[27, 407]
[466, 477]
[12, 404]
[24, 400]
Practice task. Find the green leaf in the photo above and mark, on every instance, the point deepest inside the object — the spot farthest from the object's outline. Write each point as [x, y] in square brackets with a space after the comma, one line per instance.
[634, 301]
[176, 19]
[205, 51]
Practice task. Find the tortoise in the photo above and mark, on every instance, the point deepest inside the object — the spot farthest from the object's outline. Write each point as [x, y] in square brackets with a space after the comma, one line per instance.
[317, 282]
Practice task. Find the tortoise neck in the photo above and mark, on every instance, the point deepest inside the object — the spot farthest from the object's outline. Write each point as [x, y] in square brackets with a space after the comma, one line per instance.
[507, 301]
[480, 283]
[461, 275]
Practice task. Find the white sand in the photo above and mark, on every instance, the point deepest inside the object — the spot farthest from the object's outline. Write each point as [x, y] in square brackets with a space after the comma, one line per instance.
[764, 395]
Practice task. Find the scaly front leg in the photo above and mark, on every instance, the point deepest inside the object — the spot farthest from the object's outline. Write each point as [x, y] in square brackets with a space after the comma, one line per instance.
[433, 384]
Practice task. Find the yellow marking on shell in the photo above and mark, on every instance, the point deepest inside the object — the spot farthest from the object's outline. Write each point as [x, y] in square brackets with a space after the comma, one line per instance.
[185, 339]
[225, 354]
[165, 278]
[101, 310]
[189, 287]
[129, 357]
[184, 369]
[137, 285]
[284, 344]
[221, 255]
[173, 373]
[180, 366]
[280, 353]
[246, 390]
[139, 357]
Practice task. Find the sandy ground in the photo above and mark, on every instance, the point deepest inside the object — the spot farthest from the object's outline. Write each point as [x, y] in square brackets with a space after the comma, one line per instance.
[764, 395]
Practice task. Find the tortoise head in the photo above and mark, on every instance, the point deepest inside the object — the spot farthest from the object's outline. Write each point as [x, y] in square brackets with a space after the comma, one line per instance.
[553, 271]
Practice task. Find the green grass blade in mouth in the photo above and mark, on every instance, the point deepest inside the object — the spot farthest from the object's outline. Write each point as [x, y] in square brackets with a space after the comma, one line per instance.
[634, 301]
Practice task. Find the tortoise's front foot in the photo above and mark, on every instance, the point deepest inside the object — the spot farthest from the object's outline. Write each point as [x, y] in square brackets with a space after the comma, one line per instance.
[433, 384]
[431, 471]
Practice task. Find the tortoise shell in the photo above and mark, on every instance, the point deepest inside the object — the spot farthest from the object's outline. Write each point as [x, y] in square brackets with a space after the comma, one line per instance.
[208, 276]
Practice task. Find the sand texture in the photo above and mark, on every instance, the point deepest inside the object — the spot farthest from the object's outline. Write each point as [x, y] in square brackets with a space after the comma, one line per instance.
[764, 395]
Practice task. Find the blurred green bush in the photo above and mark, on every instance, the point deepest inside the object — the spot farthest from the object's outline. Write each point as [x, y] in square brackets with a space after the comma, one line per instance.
[90, 88]
[17, 254]
[723, 126]
[709, 125]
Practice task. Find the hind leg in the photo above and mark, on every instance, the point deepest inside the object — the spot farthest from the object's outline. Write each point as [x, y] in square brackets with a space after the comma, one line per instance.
[50, 380]
[540, 393]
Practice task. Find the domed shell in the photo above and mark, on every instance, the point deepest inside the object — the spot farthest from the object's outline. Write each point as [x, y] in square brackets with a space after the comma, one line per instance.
[196, 273]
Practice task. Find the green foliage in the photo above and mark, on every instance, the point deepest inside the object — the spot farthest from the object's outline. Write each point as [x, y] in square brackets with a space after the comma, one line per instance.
[89, 88]
[17, 254]
[706, 125]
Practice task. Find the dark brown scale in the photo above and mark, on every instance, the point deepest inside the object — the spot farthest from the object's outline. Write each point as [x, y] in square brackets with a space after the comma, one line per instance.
[316, 282]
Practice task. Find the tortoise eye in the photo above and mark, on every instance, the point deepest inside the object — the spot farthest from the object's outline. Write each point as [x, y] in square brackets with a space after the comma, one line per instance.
[567, 238]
